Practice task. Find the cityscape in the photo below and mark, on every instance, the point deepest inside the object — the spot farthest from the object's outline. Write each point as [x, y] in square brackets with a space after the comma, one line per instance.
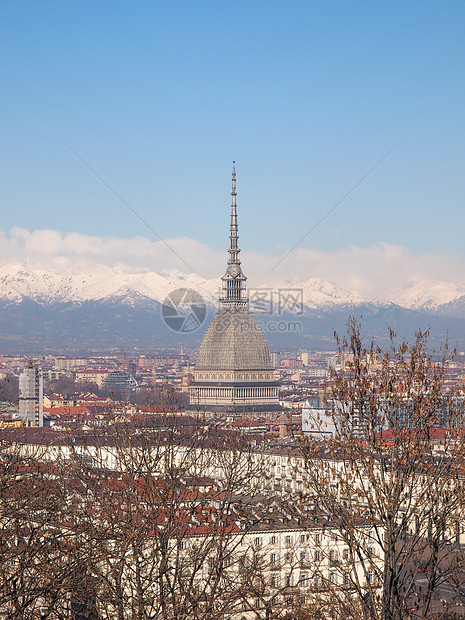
[232, 389]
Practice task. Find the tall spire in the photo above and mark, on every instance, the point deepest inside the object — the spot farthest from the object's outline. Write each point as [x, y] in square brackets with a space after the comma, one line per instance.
[233, 231]
[233, 288]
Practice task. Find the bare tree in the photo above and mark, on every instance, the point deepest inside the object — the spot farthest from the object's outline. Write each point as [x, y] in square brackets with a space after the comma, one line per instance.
[387, 408]
[156, 519]
[36, 540]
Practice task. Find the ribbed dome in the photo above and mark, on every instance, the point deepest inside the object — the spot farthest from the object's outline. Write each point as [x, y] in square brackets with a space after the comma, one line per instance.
[234, 341]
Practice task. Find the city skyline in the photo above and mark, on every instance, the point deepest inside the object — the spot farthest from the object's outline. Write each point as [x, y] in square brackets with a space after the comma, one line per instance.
[159, 100]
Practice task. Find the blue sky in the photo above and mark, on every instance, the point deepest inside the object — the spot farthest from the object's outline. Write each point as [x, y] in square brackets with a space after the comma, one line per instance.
[160, 97]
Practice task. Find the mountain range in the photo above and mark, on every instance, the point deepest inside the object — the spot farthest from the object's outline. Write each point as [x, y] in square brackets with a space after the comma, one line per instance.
[114, 306]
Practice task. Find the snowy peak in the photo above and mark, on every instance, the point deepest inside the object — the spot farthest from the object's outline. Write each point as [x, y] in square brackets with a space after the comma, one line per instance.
[46, 286]
[428, 294]
[318, 292]
[103, 282]
[18, 282]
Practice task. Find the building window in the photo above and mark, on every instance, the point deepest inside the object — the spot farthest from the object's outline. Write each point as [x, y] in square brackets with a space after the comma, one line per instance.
[273, 540]
[332, 578]
[302, 538]
[303, 556]
[288, 541]
[273, 558]
[257, 541]
[346, 579]
[317, 556]
[317, 539]
[345, 554]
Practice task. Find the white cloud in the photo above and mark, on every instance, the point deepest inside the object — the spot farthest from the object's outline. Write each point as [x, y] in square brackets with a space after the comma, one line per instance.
[65, 251]
[382, 271]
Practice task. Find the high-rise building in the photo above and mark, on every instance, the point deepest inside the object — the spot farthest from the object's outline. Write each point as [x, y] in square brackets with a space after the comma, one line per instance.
[31, 395]
[234, 369]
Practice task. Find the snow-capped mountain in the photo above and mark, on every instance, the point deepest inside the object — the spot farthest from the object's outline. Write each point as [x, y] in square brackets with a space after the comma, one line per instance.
[319, 293]
[109, 306]
[44, 286]
[18, 282]
[428, 295]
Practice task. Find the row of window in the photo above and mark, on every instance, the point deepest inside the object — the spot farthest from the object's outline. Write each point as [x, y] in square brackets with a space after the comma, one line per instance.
[230, 377]
[318, 554]
[304, 556]
[304, 580]
[235, 392]
[302, 538]
[289, 598]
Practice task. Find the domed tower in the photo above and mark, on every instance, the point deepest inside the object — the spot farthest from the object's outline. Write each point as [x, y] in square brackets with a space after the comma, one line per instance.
[234, 371]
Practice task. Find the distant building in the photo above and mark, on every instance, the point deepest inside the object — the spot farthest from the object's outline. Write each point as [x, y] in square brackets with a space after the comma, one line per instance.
[291, 363]
[234, 370]
[274, 359]
[90, 375]
[317, 372]
[121, 381]
[316, 420]
[31, 395]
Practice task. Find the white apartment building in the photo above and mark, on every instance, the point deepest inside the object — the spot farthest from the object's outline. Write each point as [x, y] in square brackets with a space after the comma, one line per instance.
[91, 375]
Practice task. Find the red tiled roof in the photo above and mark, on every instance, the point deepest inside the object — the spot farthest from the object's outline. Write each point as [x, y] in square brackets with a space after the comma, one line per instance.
[77, 410]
